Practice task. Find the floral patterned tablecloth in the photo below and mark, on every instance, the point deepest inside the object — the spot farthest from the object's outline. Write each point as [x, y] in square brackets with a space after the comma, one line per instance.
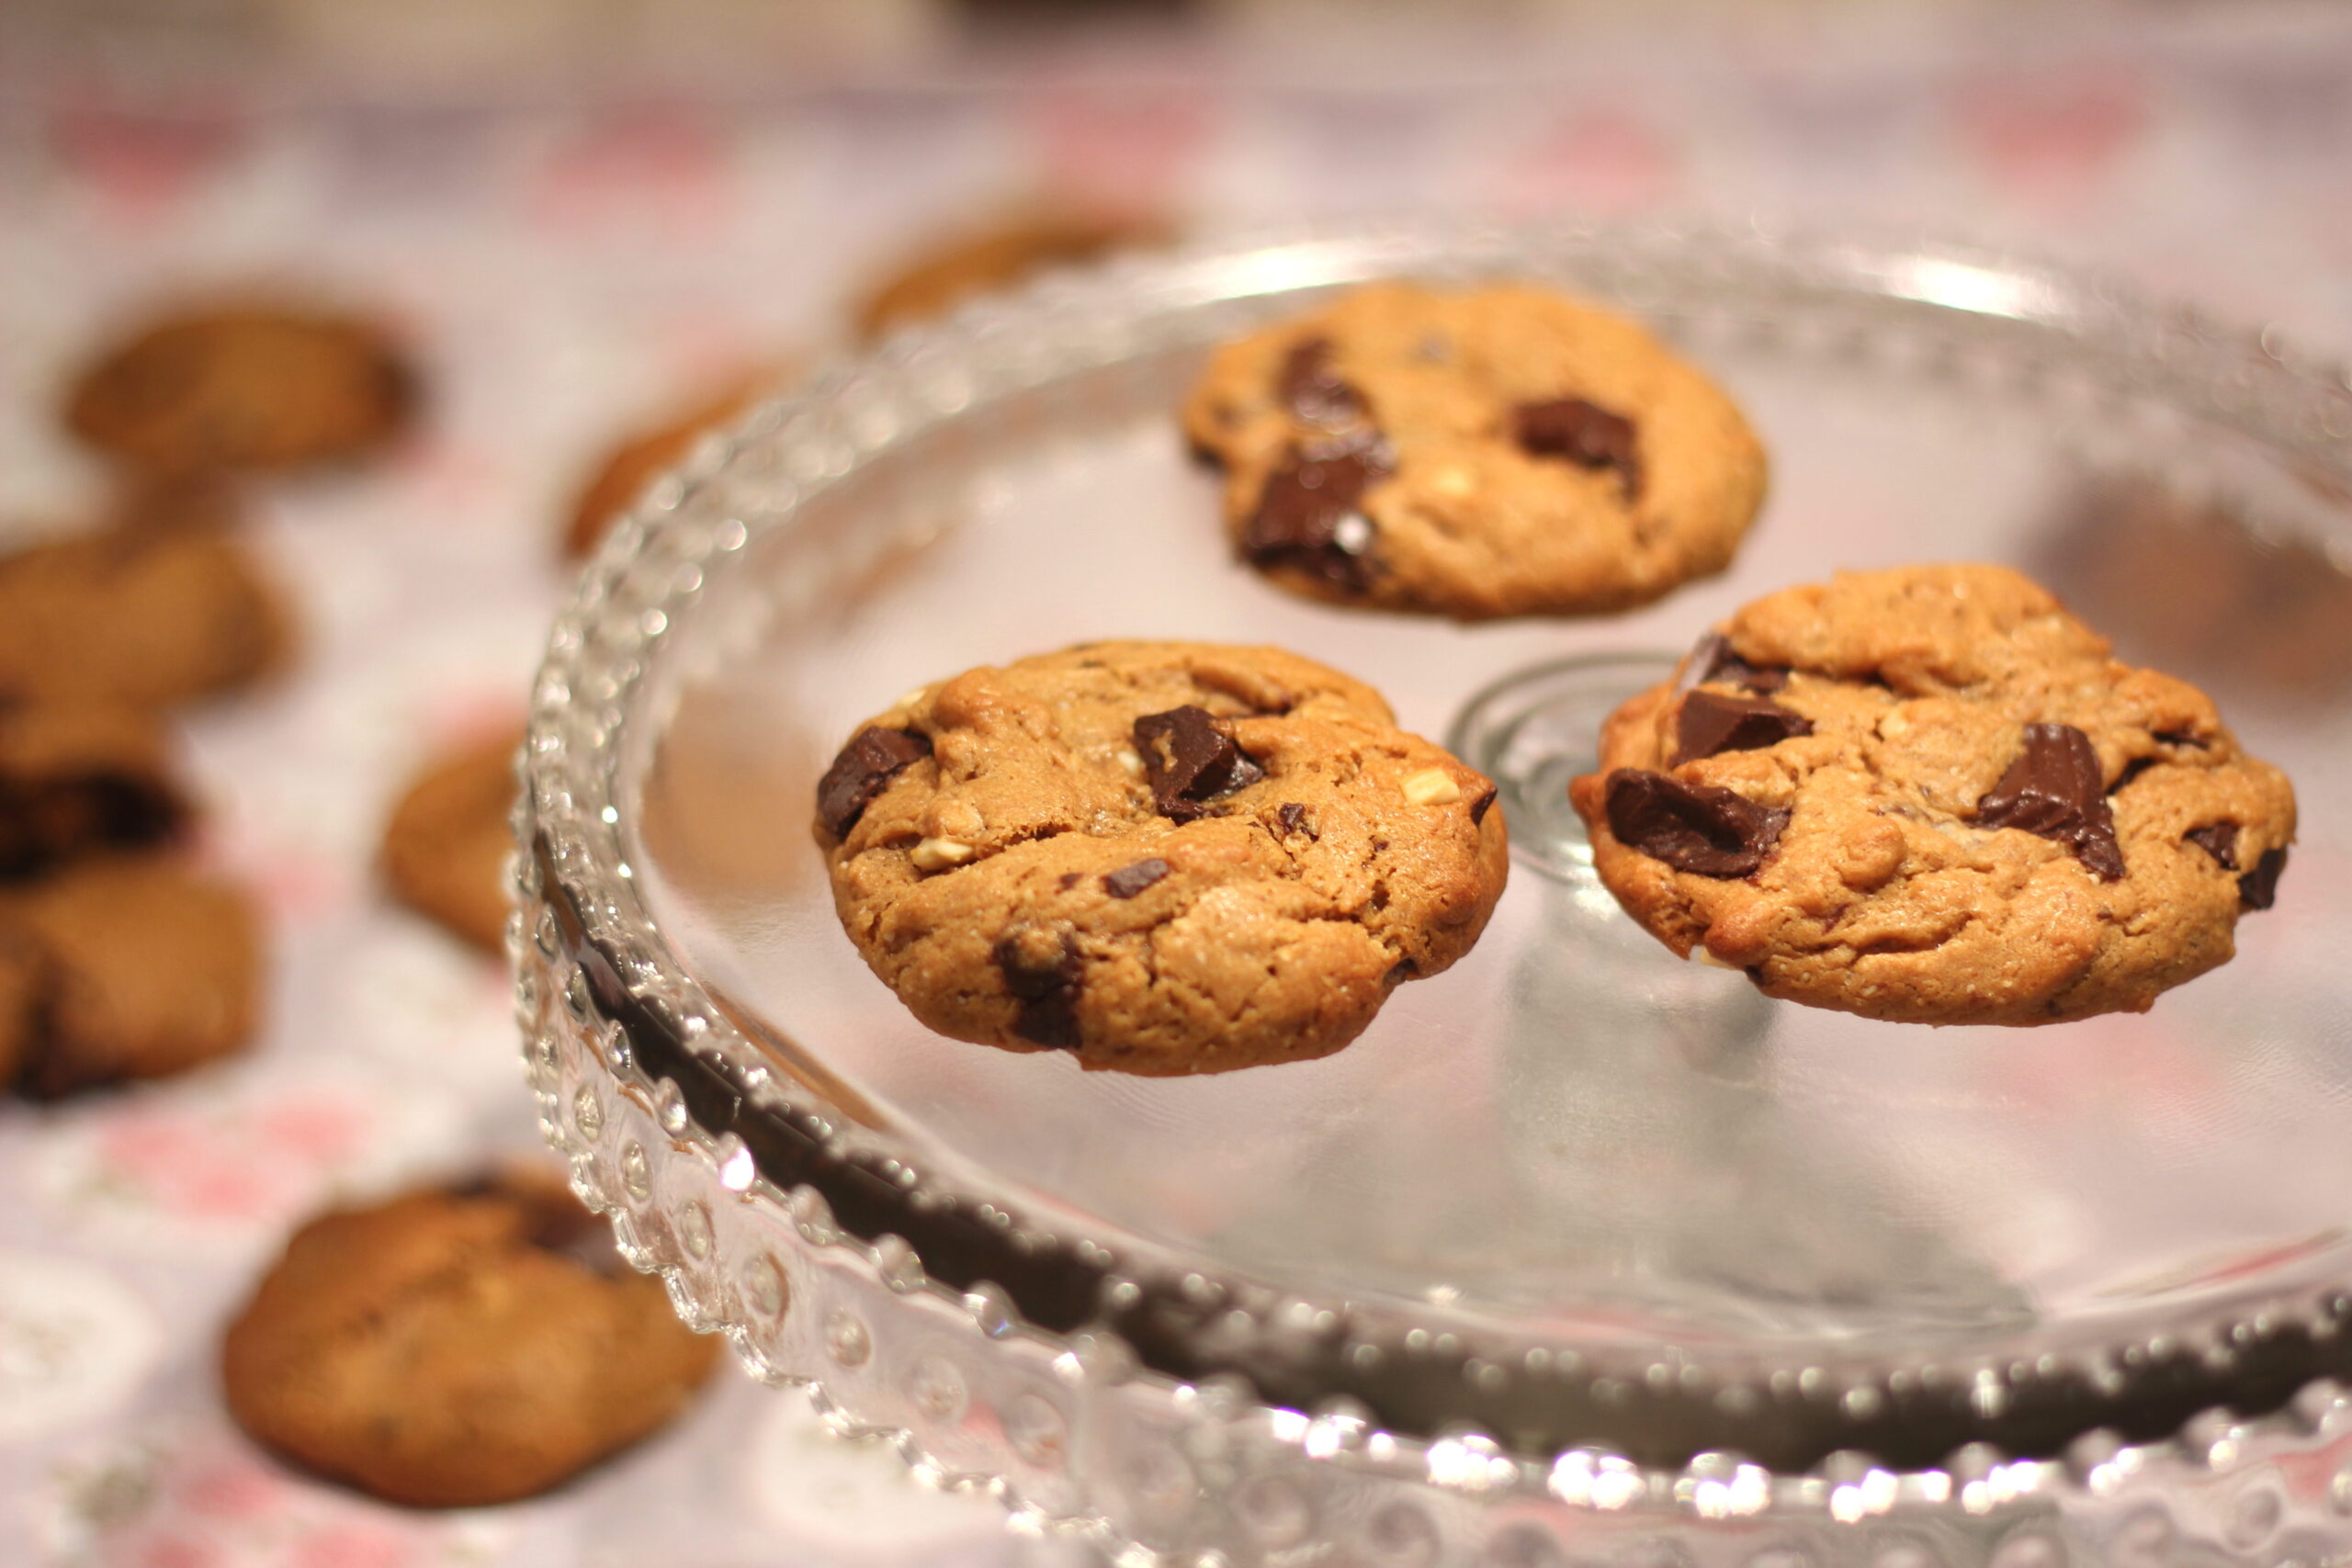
[563, 263]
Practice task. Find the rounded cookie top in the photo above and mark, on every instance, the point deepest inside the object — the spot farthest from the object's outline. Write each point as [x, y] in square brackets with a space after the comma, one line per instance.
[457, 1346]
[1501, 451]
[445, 847]
[78, 778]
[145, 968]
[1160, 857]
[630, 468]
[244, 386]
[999, 255]
[1928, 794]
[147, 617]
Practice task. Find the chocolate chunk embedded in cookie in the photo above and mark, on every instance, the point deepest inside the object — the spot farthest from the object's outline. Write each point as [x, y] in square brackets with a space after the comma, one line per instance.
[1162, 858]
[77, 778]
[1929, 794]
[141, 968]
[246, 387]
[457, 1348]
[23, 980]
[147, 616]
[1498, 451]
[444, 848]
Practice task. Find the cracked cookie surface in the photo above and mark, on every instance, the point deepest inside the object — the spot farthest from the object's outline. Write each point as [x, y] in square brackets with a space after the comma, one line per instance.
[1163, 858]
[1494, 452]
[1930, 794]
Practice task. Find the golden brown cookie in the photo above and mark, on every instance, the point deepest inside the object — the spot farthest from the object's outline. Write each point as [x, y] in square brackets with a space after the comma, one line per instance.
[985, 260]
[80, 777]
[1162, 857]
[1929, 794]
[142, 968]
[244, 386]
[444, 848]
[644, 455]
[458, 1347]
[148, 616]
[21, 981]
[1482, 453]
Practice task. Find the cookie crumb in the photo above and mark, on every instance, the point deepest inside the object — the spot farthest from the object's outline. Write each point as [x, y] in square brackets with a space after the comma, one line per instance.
[939, 854]
[1431, 786]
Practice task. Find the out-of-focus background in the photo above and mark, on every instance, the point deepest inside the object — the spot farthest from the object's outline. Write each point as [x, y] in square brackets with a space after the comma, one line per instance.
[580, 218]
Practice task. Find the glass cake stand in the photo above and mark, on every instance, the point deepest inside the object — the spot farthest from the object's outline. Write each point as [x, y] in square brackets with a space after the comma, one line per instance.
[1581, 1254]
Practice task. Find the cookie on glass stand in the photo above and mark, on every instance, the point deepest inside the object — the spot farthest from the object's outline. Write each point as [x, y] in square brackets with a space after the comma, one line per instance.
[1930, 794]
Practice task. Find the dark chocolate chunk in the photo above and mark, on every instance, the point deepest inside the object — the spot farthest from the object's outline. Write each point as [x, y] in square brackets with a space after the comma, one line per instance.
[872, 759]
[1691, 827]
[1585, 433]
[45, 822]
[1188, 759]
[2054, 790]
[1480, 806]
[1130, 880]
[1309, 514]
[571, 1230]
[1292, 817]
[1070, 879]
[1043, 975]
[1315, 392]
[1399, 972]
[553, 1221]
[1711, 724]
[2258, 888]
[1711, 662]
[2219, 840]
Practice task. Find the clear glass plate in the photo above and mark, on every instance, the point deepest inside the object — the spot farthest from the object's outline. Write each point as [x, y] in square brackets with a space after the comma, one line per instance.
[1573, 1189]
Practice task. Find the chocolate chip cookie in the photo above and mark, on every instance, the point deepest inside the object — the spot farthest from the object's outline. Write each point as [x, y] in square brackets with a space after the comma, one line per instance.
[444, 848]
[144, 615]
[642, 455]
[22, 979]
[459, 1347]
[135, 966]
[244, 386]
[76, 778]
[1499, 451]
[1162, 858]
[1929, 794]
[998, 257]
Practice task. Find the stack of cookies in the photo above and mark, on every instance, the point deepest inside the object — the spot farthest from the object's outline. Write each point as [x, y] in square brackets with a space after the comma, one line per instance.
[119, 958]
[452, 1346]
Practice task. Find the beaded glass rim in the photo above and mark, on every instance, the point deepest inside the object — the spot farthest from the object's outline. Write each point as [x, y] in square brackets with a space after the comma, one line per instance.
[656, 560]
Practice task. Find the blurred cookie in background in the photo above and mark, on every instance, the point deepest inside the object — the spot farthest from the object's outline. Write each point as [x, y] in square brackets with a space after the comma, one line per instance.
[148, 613]
[76, 778]
[445, 846]
[20, 992]
[127, 967]
[2194, 583]
[983, 260]
[663, 442]
[459, 1347]
[244, 386]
